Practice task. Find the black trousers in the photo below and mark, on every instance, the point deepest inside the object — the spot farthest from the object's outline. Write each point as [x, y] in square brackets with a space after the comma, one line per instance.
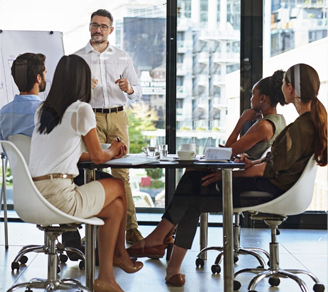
[73, 238]
[191, 199]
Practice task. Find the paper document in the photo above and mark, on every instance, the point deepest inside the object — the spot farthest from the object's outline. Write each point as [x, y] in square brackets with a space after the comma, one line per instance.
[218, 153]
[131, 159]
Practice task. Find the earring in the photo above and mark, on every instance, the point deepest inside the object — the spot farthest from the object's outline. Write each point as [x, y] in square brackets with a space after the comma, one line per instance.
[261, 101]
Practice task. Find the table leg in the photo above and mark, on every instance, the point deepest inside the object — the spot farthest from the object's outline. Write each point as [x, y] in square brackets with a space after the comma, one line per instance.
[203, 240]
[227, 229]
[89, 242]
[89, 255]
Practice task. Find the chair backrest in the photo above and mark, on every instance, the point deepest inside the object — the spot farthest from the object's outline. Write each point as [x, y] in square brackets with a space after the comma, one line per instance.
[29, 204]
[23, 143]
[295, 200]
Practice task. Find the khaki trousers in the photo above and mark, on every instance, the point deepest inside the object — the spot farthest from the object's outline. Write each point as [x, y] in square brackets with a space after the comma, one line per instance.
[110, 126]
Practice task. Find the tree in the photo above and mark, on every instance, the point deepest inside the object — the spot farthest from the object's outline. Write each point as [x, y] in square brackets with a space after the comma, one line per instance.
[141, 118]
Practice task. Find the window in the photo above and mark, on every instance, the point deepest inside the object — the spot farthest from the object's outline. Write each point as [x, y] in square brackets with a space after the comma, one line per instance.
[299, 31]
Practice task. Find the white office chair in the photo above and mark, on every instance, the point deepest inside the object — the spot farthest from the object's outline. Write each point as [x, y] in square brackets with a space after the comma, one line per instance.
[32, 207]
[292, 202]
[23, 144]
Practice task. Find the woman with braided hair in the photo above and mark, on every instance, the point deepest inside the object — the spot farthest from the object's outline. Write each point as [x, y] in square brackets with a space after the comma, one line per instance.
[275, 174]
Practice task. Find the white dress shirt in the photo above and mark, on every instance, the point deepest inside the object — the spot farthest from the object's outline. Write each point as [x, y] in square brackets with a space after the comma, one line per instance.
[107, 67]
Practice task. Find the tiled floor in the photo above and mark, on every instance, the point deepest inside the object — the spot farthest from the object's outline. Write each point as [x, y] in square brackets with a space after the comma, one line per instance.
[304, 249]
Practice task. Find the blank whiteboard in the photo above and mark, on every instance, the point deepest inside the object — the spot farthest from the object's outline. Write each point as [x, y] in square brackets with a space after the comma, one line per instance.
[14, 43]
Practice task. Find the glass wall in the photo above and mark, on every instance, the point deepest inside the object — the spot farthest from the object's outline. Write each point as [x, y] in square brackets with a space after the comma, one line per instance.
[208, 53]
[140, 30]
[296, 32]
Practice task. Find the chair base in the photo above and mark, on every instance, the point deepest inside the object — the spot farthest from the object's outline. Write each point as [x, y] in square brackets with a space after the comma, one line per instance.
[21, 257]
[48, 285]
[53, 281]
[274, 280]
[275, 272]
[59, 249]
[238, 250]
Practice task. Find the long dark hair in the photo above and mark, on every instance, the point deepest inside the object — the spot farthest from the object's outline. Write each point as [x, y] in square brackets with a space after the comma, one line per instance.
[306, 83]
[271, 86]
[71, 82]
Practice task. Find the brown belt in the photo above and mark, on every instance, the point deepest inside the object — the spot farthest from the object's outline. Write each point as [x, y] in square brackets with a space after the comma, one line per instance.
[53, 175]
[108, 110]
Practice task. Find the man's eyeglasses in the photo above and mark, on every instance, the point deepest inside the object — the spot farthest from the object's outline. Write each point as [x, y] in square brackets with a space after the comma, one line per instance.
[103, 27]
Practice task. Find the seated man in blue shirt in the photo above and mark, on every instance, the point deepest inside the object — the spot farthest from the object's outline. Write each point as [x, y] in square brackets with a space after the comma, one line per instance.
[29, 74]
[17, 117]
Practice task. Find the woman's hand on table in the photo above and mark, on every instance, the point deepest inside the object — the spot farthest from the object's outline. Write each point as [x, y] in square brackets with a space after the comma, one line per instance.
[244, 159]
[119, 148]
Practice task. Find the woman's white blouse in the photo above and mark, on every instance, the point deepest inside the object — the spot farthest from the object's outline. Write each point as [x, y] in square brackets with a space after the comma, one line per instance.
[59, 151]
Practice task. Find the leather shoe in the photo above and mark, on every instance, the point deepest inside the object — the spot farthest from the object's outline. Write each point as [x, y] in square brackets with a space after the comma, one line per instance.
[117, 262]
[153, 252]
[101, 286]
[176, 280]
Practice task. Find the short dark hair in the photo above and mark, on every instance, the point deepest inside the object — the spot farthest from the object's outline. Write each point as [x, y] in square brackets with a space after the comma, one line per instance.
[71, 82]
[26, 68]
[104, 13]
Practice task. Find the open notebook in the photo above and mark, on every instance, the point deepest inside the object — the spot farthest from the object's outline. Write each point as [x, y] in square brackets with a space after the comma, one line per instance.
[218, 153]
[131, 159]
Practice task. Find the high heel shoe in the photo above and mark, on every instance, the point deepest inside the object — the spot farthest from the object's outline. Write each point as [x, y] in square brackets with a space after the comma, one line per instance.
[169, 243]
[101, 286]
[153, 252]
[176, 280]
[117, 262]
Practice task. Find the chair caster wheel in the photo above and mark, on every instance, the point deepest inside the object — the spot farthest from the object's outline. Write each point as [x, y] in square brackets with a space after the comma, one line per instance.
[318, 288]
[63, 258]
[199, 263]
[14, 266]
[81, 265]
[28, 290]
[274, 282]
[235, 259]
[236, 285]
[23, 260]
[216, 269]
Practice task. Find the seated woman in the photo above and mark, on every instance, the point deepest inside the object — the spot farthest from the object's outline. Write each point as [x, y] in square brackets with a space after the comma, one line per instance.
[64, 125]
[276, 174]
[260, 136]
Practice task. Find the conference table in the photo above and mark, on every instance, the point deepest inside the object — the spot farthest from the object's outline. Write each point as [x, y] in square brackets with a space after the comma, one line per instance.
[227, 213]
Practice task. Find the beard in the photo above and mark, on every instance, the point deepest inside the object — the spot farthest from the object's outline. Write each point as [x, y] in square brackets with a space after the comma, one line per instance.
[95, 38]
[42, 86]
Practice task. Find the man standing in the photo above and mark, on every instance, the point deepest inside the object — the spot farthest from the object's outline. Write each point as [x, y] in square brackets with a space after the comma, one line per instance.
[29, 74]
[114, 81]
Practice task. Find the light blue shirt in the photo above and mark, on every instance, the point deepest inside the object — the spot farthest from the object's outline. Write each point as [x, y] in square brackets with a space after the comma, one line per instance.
[17, 117]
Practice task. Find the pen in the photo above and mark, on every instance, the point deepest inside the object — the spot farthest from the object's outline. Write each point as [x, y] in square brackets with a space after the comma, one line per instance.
[118, 139]
[121, 76]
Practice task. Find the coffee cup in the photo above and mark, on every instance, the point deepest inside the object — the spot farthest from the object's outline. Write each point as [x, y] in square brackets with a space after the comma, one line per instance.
[189, 147]
[186, 154]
